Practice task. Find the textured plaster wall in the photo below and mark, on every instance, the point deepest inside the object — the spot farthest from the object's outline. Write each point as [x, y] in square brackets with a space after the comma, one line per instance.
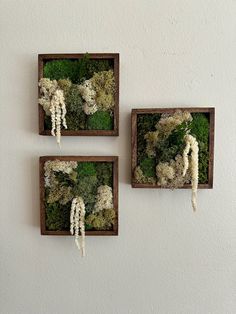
[166, 259]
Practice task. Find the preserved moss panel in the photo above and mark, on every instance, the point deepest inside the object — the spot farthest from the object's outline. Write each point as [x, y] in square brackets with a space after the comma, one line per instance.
[88, 88]
[171, 146]
[84, 181]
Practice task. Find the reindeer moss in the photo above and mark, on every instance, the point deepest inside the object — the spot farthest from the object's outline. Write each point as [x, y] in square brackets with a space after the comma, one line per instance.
[100, 120]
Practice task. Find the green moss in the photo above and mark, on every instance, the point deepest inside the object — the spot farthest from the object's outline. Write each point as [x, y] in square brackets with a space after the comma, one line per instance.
[61, 69]
[57, 216]
[75, 116]
[104, 173]
[145, 123]
[148, 166]
[103, 220]
[87, 189]
[75, 70]
[86, 169]
[100, 120]
[200, 127]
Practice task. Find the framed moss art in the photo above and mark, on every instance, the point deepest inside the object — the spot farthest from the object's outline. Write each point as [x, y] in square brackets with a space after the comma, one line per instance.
[78, 94]
[173, 148]
[79, 195]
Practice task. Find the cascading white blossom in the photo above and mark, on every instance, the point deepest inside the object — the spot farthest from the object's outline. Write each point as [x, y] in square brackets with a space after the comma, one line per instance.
[53, 102]
[88, 93]
[58, 112]
[77, 226]
[191, 143]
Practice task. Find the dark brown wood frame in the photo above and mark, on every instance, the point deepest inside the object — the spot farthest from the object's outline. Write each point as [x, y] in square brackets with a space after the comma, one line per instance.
[113, 159]
[42, 58]
[134, 114]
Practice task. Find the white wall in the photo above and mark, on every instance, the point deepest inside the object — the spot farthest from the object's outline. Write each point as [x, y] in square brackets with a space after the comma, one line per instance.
[166, 259]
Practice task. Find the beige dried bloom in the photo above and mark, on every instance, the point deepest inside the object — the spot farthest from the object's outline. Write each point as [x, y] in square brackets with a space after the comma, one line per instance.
[169, 174]
[169, 122]
[104, 198]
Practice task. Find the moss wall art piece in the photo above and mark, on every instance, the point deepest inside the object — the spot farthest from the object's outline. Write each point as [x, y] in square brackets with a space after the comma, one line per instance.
[173, 148]
[90, 181]
[78, 94]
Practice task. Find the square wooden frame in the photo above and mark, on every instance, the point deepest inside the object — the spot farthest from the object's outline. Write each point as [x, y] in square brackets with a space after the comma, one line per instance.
[42, 58]
[113, 159]
[136, 112]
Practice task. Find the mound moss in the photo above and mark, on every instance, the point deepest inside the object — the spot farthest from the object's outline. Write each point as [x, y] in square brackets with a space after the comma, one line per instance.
[75, 70]
[100, 120]
[148, 166]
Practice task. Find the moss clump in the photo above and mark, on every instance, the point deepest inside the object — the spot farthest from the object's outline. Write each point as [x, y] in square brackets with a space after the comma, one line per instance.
[62, 194]
[57, 216]
[145, 123]
[148, 166]
[61, 69]
[87, 189]
[104, 173]
[200, 127]
[103, 220]
[75, 116]
[75, 70]
[104, 85]
[86, 169]
[100, 120]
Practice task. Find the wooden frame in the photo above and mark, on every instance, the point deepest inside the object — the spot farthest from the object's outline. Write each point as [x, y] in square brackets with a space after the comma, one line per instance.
[113, 159]
[134, 114]
[42, 58]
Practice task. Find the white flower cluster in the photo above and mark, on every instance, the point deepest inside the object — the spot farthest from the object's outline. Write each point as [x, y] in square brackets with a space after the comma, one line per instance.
[165, 173]
[58, 112]
[169, 122]
[77, 227]
[89, 95]
[53, 103]
[51, 166]
[47, 90]
[104, 199]
[191, 143]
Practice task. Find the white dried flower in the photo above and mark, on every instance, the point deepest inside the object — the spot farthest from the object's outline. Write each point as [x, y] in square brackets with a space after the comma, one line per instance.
[89, 95]
[165, 173]
[51, 166]
[104, 199]
[53, 103]
[77, 226]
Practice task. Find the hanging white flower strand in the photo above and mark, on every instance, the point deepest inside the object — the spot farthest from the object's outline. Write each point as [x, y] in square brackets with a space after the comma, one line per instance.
[53, 102]
[191, 143]
[58, 112]
[77, 216]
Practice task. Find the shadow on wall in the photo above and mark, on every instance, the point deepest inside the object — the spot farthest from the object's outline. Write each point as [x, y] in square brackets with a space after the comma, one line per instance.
[124, 147]
[30, 78]
[32, 169]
